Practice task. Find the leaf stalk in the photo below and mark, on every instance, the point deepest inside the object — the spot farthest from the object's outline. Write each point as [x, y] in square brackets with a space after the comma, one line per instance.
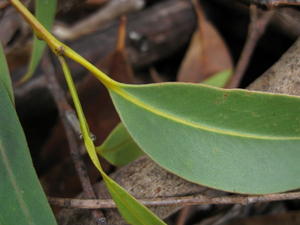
[61, 49]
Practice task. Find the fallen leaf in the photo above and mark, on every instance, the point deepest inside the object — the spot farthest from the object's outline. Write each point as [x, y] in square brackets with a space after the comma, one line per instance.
[207, 53]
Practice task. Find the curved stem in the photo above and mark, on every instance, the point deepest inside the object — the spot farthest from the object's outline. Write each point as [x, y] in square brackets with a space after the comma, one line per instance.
[83, 123]
[101, 76]
[61, 49]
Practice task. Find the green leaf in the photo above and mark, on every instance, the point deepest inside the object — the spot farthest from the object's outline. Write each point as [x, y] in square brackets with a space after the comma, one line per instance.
[45, 13]
[119, 148]
[131, 210]
[233, 140]
[4, 75]
[22, 197]
[218, 79]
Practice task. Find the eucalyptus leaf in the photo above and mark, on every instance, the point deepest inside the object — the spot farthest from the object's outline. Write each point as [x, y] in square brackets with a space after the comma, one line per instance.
[5, 76]
[131, 210]
[22, 197]
[218, 79]
[119, 148]
[45, 13]
[233, 140]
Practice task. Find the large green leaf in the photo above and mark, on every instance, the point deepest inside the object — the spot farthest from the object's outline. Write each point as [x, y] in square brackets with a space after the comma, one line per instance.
[233, 140]
[45, 13]
[22, 198]
[119, 148]
[4, 74]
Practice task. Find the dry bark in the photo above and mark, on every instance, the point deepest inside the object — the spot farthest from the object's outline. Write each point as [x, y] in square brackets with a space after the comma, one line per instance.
[284, 76]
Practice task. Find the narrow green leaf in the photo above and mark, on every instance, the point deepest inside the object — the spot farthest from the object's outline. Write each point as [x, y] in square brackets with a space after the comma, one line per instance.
[22, 197]
[119, 148]
[218, 79]
[233, 140]
[131, 210]
[45, 13]
[5, 76]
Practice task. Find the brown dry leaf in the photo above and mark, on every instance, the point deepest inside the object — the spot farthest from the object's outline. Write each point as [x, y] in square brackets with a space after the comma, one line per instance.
[116, 64]
[207, 53]
[100, 114]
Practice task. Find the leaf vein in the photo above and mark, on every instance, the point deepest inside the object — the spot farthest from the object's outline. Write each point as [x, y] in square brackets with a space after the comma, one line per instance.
[180, 120]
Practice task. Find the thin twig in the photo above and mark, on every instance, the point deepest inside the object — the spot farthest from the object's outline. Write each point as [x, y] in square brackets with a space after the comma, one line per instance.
[179, 201]
[65, 110]
[183, 215]
[256, 29]
[112, 10]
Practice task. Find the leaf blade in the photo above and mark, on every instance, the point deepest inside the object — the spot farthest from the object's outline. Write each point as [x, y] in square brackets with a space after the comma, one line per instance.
[4, 74]
[226, 143]
[119, 148]
[45, 13]
[22, 198]
[133, 212]
[219, 79]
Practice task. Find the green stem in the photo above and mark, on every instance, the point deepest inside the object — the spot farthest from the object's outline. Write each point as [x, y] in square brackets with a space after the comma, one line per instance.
[40, 31]
[104, 79]
[61, 49]
[82, 120]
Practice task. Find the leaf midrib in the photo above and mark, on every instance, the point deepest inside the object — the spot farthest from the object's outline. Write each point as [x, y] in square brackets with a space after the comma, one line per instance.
[120, 91]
